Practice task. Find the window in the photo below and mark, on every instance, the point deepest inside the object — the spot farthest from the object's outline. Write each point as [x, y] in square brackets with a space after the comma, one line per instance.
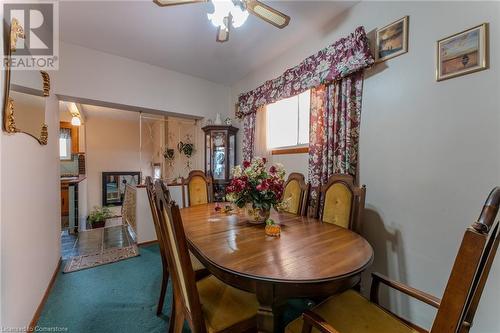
[65, 144]
[288, 122]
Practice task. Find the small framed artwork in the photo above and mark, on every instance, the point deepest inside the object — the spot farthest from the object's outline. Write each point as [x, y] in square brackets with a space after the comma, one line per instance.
[392, 40]
[463, 53]
[114, 184]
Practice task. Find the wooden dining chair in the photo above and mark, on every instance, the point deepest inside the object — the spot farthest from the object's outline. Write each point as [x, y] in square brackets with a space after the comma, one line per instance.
[341, 202]
[296, 193]
[208, 305]
[200, 270]
[199, 188]
[350, 312]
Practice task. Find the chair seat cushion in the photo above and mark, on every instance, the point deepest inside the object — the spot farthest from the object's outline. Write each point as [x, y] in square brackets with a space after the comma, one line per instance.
[197, 265]
[224, 306]
[349, 312]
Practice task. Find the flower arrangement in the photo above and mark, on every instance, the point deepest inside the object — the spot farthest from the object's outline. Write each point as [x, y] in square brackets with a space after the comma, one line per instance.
[257, 188]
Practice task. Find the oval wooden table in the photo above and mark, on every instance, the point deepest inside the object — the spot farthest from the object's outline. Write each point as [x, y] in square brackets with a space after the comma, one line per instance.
[310, 259]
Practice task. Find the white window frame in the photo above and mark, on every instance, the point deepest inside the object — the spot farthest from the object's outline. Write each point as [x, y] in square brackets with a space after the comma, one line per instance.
[292, 149]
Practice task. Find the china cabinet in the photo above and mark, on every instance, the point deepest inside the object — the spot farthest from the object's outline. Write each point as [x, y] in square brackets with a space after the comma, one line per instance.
[220, 156]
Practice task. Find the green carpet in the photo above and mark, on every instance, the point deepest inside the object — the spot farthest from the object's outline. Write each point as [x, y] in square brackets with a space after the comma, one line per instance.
[119, 297]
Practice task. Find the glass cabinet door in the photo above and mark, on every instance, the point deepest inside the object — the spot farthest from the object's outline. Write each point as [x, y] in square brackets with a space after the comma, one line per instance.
[219, 155]
[232, 157]
[208, 153]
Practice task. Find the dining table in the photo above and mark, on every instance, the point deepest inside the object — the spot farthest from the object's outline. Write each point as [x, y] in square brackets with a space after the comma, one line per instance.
[310, 259]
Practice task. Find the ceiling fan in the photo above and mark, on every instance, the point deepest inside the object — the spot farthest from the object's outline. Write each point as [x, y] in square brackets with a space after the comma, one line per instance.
[233, 13]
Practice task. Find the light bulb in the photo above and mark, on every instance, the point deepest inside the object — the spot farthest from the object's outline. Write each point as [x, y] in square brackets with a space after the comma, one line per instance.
[239, 16]
[222, 9]
[75, 121]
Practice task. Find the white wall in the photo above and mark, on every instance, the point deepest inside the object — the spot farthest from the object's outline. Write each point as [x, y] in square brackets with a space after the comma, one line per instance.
[30, 238]
[430, 151]
[30, 220]
[95, 75]
[113, 144]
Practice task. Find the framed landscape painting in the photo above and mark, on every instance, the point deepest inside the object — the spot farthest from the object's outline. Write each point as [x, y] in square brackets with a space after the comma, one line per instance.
[392, 40]
[463, 53]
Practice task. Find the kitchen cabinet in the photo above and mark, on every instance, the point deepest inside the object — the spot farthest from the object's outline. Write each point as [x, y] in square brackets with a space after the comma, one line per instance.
[64, 200]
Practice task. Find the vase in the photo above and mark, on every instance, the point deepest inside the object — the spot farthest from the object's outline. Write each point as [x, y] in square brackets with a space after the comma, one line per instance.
[256, 215]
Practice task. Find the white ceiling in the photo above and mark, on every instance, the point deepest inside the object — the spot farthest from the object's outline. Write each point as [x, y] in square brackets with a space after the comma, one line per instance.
[181, 38]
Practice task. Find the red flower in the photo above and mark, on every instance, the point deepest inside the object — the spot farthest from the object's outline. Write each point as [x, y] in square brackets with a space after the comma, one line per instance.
[272, 169]
[264, 185]
[246, 164]
[264, 160]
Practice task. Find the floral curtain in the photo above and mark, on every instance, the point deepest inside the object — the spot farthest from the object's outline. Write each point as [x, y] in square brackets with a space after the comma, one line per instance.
[334, 130]
[340, 59]
[248, 136]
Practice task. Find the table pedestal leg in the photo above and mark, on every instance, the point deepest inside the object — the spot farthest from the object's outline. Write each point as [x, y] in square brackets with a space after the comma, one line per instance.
[269, 316]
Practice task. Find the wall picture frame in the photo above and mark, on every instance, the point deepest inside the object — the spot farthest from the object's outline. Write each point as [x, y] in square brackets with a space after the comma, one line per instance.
[463, 53]
[114, 184]
[392, 40]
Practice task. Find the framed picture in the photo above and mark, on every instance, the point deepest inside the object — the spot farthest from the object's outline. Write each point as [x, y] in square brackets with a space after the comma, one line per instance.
[462, 53]
[113, 186]
[392, 40]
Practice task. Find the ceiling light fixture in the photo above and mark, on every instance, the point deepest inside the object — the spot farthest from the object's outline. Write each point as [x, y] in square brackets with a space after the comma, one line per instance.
[223, 9]
[75, 121]
[229, 14]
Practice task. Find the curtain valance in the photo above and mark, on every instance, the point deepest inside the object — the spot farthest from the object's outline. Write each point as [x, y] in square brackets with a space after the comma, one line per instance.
[346, 56]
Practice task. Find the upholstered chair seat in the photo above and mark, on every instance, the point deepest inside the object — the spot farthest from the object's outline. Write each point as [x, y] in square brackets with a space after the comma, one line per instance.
[199, 189]
[337, 205]
[296, 194]
[208, 305]
[349, 312]
[292, 196]
[341, 202]
[224, 306]
[197, 265]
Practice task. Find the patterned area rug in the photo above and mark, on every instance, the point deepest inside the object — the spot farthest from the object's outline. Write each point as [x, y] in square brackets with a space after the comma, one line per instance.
[103, 257]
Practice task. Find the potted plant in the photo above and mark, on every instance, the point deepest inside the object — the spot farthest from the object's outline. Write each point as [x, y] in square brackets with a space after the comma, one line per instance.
[186, 148]
[98, 216]
[169, 155]
[256, 188]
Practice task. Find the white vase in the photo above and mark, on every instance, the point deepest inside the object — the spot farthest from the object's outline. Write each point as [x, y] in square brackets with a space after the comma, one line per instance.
[218, 120]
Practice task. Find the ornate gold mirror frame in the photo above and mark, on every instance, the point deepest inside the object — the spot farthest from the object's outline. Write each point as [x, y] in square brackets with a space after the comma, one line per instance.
[9, 124]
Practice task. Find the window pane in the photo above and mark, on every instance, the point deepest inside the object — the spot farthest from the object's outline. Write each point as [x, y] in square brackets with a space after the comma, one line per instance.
[304, 108]
[282, 120]
[65, 148]
[62, 148]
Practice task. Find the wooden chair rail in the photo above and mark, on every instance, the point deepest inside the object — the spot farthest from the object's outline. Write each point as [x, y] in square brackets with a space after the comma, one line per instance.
[311, 320]
[489, 212]
[378, 278]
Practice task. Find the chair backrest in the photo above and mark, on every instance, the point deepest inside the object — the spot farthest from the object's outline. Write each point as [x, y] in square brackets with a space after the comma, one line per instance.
[160, 233]
[129, 207]
[179, 261]
[296, 192]
[470, 271]
[199, 188]
[341, 202]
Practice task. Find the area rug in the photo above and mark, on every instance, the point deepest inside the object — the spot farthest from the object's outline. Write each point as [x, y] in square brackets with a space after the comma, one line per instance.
[103, 257]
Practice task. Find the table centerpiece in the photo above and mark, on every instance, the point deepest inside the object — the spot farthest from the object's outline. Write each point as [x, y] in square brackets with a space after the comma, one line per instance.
[257, 189]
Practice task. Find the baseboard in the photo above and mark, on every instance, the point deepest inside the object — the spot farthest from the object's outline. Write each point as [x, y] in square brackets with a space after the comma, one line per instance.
[147, 243]
[38, 312]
